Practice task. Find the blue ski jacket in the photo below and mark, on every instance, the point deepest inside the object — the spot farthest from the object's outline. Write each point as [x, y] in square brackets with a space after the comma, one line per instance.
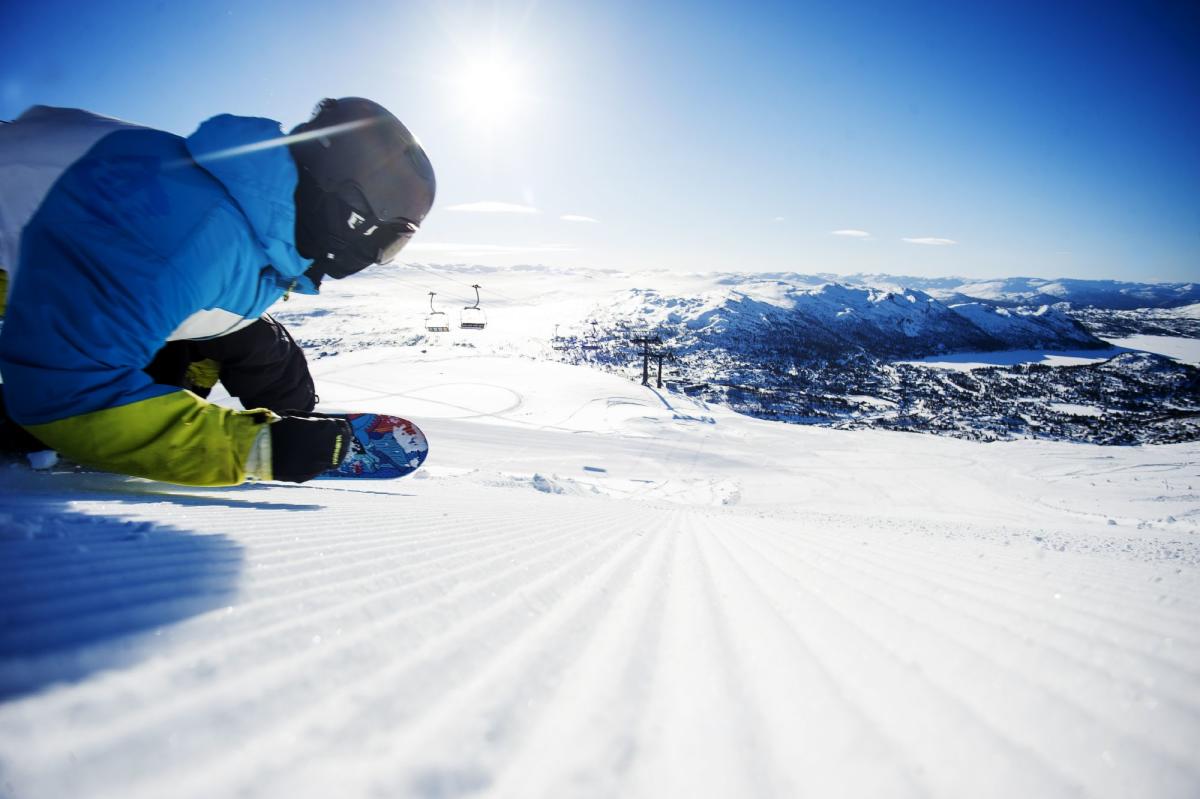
[116, 239]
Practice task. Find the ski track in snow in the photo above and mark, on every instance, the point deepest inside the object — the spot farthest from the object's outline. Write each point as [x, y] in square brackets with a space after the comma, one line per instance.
[599, 590]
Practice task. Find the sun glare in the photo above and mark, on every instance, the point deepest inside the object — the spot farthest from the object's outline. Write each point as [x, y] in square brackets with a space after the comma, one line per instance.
[491, 90]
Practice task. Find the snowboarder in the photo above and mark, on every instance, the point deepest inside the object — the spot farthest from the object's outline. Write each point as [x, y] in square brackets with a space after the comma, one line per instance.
[139, 265]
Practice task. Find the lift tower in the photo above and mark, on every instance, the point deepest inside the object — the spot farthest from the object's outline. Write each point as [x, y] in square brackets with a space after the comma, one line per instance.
[646, 341]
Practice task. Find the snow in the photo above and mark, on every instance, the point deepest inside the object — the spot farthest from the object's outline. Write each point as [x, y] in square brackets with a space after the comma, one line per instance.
[1076, 410]
[965, 361]
[46, 459]
[1185, 350]
[1187, 312]
[1022, 326]
[596, 588]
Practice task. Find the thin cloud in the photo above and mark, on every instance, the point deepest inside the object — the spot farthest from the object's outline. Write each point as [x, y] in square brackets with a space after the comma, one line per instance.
[933, 241]
[778, 219]
[851, 233]
[492, 207]
[577, 218]
[450, 247]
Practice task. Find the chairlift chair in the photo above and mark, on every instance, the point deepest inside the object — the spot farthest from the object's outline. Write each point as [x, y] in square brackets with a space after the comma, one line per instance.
[436, 322]
[473, 317]
[591, 342]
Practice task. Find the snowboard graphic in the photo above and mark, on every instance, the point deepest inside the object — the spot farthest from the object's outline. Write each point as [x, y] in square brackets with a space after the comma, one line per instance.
[384, 447]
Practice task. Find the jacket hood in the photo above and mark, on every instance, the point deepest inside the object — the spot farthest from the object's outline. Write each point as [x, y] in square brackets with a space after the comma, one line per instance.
[248, 157]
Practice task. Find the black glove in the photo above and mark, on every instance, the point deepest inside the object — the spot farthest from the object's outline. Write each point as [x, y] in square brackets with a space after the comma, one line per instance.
[304, 446]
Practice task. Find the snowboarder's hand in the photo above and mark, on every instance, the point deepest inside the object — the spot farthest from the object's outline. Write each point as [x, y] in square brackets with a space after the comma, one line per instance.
[304, 446]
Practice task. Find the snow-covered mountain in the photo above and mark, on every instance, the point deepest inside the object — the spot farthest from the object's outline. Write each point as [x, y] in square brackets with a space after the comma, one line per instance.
[827, 354]
[1182, 322]
[1034, 291]
[832, 321]
[1007, 291]
[1044, 327]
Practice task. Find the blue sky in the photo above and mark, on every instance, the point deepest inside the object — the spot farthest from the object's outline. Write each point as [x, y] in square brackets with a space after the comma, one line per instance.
[976, 139]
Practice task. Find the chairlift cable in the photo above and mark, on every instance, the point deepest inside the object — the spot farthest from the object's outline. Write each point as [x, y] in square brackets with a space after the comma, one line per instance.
[427, 270]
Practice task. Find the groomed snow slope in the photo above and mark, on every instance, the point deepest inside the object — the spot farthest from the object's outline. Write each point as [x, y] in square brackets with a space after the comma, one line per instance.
[597, 589]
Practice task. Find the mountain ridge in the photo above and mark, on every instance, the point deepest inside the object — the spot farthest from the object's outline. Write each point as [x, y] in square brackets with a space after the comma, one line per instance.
[831, 320]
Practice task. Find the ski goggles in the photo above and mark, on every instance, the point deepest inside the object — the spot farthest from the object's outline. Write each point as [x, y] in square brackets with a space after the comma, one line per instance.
[356, 236]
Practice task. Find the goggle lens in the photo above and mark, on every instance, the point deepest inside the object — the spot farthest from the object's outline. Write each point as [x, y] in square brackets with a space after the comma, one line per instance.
[400, 235]
[372, 240]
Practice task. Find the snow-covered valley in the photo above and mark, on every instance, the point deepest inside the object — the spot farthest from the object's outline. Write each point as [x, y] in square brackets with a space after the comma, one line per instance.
[595, 588]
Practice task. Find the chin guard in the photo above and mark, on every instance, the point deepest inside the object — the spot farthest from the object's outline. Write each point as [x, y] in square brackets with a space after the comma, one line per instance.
[339, 232]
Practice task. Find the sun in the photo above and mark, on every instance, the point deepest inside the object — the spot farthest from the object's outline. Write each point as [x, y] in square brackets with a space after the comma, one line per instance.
[492, 89]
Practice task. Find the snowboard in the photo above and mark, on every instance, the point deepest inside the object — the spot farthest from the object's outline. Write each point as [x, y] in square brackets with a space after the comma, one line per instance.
[384, 448]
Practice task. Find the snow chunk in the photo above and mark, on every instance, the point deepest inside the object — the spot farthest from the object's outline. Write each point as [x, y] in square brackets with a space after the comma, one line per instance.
[45, 459]
[546, 485]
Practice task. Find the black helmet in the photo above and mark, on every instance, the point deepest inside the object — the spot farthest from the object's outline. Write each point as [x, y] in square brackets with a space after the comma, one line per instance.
[364, 186]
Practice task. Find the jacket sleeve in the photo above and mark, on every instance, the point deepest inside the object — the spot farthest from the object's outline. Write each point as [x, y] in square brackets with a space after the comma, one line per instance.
[85, 316]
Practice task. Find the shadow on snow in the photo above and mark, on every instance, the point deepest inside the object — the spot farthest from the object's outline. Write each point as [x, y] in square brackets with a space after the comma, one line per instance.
[80, 593]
